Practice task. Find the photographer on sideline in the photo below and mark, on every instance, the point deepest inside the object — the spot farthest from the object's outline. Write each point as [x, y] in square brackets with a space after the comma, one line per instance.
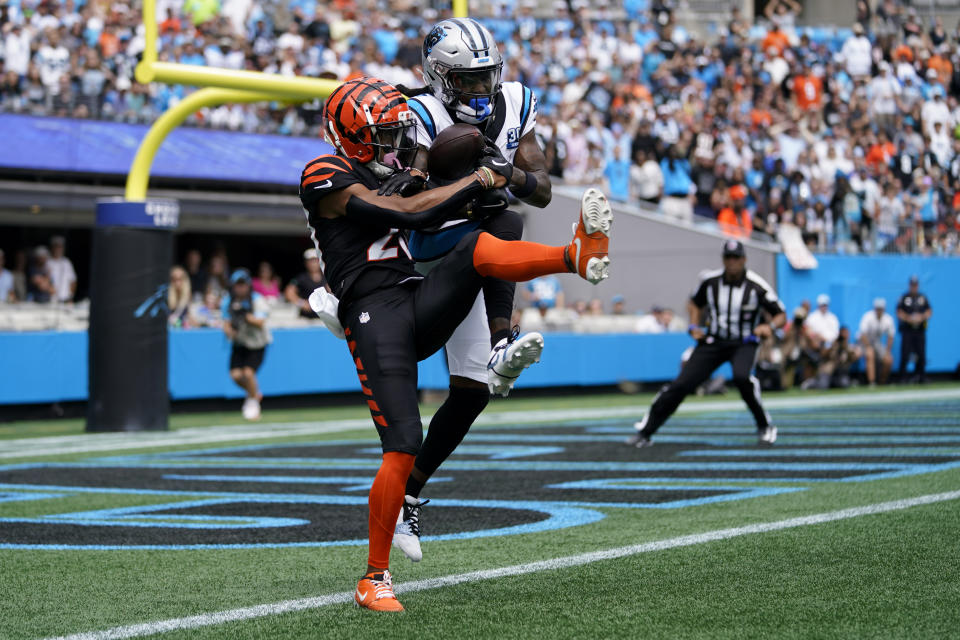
[245, 323]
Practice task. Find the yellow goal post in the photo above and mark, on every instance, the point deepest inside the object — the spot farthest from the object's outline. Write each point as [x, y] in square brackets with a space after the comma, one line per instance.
[219, 86]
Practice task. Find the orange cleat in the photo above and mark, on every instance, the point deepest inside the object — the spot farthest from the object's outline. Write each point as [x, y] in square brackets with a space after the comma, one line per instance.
[587, 254]
[375, 592]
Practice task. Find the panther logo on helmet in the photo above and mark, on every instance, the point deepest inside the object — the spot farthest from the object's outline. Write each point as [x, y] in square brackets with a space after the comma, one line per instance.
[432, 39]
[368, 120]
[462, 67]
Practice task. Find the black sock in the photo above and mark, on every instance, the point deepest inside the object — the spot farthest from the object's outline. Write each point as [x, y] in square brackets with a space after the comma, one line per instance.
[447, 429]
[414, 486]
[497, 336]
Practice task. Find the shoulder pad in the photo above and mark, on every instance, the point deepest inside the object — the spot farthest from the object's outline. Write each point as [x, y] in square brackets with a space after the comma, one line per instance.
[327, 173]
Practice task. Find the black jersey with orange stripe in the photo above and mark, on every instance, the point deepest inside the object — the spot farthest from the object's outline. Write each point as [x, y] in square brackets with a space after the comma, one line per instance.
[349, 247]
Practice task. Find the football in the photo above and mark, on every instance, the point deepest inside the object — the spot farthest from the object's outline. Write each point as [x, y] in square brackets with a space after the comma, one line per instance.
[454, 152]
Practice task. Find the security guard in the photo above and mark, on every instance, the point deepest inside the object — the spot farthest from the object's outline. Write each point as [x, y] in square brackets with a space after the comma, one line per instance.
[733, 297]
[914, 312]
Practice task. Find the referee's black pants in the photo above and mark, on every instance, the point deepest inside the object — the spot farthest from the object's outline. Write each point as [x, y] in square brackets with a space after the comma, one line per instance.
[913, 341]
[704, 360]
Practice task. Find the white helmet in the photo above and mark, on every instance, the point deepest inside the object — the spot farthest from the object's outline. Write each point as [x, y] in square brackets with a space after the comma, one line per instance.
[462, 65]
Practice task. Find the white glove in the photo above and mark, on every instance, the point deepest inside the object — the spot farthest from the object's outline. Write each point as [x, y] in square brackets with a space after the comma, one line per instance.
[325, 305]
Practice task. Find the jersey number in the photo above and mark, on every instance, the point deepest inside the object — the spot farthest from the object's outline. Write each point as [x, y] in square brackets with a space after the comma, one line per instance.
[513, 138]
[387, 247]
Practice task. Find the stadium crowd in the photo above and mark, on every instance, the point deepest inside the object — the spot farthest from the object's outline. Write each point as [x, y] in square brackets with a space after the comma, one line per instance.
[846, 136]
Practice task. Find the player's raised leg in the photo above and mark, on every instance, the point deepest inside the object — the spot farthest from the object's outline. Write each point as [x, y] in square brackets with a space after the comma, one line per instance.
[591, 237]
[586, 255]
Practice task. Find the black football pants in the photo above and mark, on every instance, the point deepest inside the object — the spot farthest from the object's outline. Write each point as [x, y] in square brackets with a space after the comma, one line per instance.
[390, 330]
[704, 360]
[913, 341]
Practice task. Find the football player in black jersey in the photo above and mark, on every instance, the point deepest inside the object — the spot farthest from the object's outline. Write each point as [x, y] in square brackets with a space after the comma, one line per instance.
[392, 316]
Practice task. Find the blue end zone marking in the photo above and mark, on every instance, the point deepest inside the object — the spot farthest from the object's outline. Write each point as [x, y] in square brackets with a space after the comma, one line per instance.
[859, 452]
[504, 452]
[560, 516]
[642, 484]
[350, 483]
[851, 426]
[28, 496]
[718, 428]
[735, 437]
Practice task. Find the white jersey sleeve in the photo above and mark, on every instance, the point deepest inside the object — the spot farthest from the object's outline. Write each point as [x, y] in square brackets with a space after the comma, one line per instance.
[432, 118]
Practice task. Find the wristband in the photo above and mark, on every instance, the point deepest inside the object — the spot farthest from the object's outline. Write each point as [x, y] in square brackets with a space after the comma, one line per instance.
[483, 178]
[691, 328]
[487, 182]
[529, 185]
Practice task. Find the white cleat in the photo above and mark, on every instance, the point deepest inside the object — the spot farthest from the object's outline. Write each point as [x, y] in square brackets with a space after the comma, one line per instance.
[591, 238]
[767, 435]
[251, 409]
[509, 358]
[406, 536]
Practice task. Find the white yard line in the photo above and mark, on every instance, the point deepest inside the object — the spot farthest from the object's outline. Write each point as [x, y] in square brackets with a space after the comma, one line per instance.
[89, 443]
[259, 611]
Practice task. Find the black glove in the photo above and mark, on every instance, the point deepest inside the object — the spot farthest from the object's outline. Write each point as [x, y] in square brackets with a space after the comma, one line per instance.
[488, 203]
[494, 160]
[406, 183]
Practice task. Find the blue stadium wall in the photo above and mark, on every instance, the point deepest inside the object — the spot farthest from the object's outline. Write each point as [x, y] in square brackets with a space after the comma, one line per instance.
[52, 366]
[852, 282]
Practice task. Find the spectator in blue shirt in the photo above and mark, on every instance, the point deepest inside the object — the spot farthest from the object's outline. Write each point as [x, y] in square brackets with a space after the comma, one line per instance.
[544, 293]
[677, 186]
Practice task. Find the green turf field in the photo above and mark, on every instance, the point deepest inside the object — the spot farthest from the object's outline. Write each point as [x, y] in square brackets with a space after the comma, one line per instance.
[542, 524]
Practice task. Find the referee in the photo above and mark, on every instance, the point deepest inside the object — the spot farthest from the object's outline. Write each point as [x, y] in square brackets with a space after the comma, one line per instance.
[733, 297]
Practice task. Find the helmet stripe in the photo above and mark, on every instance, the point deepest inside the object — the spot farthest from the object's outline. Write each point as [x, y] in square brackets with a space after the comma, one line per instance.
[466, 31]
[352, 90]
[480, 30]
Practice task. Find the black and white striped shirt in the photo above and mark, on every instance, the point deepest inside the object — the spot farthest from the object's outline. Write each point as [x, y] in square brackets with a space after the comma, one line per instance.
[733, 308]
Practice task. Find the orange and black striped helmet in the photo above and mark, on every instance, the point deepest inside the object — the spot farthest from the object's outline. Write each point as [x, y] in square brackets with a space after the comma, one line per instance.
[368, 119]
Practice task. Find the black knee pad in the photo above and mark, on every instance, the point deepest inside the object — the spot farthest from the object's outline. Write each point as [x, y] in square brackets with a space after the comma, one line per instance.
[506, 226]
[471, 400]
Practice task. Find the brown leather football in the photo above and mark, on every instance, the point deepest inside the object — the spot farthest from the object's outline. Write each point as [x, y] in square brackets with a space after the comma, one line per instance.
[454, 152]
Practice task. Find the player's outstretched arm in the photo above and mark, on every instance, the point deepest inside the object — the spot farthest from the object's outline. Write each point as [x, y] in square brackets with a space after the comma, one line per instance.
[415, 212]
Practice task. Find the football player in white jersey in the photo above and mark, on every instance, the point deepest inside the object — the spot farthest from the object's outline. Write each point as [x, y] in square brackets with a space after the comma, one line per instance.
[462, 69]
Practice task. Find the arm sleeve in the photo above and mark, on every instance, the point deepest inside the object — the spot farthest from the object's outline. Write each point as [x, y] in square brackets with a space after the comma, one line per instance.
[360, 210]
